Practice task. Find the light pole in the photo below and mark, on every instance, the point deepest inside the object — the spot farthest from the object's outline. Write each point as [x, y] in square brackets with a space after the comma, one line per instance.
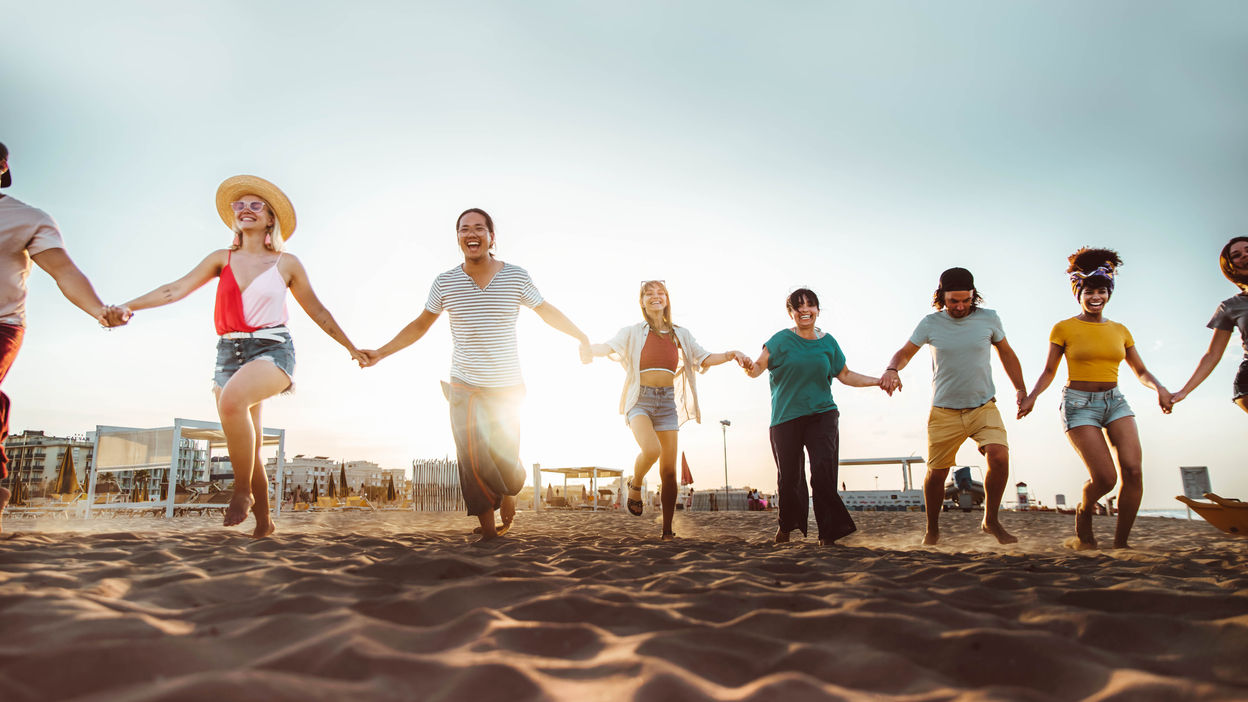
[724, 423]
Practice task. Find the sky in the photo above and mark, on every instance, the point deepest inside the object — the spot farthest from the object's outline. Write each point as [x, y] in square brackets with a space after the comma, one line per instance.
[736, 150]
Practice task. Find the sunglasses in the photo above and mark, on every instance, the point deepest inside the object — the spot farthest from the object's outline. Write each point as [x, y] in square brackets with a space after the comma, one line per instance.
[644, 283]
[239, 206]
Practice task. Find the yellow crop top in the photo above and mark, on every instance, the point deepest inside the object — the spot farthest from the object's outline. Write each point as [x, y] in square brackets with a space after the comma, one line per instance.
[1093, 351]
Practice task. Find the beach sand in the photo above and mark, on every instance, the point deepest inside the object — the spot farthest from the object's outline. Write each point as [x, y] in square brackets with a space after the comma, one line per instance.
[572, 605]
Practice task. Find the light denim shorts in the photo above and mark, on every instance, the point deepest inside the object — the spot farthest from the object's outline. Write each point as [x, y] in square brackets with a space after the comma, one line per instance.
[659, 404]
[1094, 409]
[233, 354]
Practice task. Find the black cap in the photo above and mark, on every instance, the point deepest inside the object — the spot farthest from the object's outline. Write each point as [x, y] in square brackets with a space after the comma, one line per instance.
[957, 279]
[7, 179]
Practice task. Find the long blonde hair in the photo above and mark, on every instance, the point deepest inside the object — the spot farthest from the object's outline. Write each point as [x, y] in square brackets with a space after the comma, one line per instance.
[667, 309]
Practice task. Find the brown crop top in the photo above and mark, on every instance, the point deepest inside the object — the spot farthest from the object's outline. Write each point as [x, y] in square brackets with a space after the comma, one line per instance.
[659, 353]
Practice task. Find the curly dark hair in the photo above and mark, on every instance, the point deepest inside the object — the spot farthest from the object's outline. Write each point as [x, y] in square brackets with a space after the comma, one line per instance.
[797, 297]
[1224, 260]
[1089, 259]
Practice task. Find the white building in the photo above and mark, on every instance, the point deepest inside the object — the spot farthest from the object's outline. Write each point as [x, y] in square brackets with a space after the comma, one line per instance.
[35, 457]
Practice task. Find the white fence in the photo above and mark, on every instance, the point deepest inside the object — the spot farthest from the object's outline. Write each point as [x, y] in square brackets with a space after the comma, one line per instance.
[435, 486]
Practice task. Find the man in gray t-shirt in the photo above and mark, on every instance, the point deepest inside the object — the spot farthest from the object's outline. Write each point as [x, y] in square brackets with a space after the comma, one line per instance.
[28, 234]
[964, 404]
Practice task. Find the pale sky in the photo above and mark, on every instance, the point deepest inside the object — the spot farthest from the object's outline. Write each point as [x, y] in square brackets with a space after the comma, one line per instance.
[737, 150]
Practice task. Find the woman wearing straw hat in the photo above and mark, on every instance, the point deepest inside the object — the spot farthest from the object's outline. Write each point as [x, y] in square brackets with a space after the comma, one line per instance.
[1231, 314]
[1093, 406]
[660, 392]
[255, 354]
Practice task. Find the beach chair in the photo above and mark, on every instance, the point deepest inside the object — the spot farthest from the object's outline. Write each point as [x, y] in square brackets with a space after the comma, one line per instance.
[1229, 515]
[326, 503]
[301, 506]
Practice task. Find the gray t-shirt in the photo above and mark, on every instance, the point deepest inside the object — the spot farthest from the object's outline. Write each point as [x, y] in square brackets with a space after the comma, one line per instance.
[961, 356]
[1232, 314]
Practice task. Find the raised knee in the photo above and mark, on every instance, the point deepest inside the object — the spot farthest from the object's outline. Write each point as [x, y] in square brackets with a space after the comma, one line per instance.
[1103, 485]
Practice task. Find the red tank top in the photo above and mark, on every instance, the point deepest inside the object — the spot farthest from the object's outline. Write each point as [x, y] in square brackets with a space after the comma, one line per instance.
[659, 353]
[229, 315]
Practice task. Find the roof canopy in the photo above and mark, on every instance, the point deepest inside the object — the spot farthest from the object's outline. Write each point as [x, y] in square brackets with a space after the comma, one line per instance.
[586, 472]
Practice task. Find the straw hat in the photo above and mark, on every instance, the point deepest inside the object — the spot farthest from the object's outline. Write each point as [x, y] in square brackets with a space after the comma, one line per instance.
[233, 188]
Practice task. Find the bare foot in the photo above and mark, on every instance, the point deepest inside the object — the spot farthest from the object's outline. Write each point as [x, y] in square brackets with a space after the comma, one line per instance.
[996, 530]
[1083, 527]
[668, 536]
[263, 531]
[1075, 543]
[782, 536]
[931, 538]
[1121, 544]
[507, 510]
[240, 505]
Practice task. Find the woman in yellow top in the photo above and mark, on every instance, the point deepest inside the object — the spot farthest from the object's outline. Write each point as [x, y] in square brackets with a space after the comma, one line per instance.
[1092, 405]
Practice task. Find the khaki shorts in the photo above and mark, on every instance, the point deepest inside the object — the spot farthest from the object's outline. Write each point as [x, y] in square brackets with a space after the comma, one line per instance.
[947, 429]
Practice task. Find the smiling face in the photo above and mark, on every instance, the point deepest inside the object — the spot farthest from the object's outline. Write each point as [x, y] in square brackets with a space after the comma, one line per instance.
[805, 314]
[1093, 300]
[1238, 256]
[475, 237]
[654, 301]
[248, 219]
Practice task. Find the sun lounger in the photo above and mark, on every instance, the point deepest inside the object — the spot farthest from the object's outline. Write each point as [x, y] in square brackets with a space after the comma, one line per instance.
[1229, 515]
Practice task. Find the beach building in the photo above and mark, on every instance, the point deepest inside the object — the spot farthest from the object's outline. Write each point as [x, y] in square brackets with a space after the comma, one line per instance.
[34, 457]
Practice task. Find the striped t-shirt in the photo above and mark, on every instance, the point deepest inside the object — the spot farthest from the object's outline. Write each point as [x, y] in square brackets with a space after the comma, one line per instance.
[483, 323]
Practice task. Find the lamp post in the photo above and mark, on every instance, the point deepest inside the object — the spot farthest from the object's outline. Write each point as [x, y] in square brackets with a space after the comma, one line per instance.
[724, 423]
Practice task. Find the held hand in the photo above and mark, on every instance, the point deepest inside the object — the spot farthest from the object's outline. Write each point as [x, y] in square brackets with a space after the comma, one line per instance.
[1019, 397]
[890, 381]
[1165, 400]
[115, 316]
[1177, 397]
[742, 360]
[1025, 406]
[367, 357]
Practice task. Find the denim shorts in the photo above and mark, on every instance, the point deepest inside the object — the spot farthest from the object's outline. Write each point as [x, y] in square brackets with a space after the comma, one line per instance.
[659, 404]
[1094, 409]
[1241, 380]
[233, 354]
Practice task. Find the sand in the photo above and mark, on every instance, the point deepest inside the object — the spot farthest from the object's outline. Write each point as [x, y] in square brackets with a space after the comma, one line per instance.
[399, 606]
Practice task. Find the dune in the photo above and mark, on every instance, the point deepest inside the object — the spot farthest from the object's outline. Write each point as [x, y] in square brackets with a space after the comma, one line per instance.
[573, 605]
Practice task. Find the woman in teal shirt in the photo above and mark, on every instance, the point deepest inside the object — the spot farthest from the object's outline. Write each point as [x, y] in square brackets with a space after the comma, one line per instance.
[803, 360]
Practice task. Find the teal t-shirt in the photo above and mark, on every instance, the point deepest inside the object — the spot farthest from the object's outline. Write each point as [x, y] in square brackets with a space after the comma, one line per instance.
[801, 374]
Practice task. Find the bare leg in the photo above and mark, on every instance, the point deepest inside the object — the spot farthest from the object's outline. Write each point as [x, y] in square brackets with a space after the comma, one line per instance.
[4, 502]
[994, 488]
[667, 473]
[1125, 436]
[508, 513]
[933, 500]
[648, 440]
[487, 529]
[1089, 443]
[260, 484]
[253, 383]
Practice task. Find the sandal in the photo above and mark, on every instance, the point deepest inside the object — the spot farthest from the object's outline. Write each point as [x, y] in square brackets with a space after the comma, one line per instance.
[635, 507]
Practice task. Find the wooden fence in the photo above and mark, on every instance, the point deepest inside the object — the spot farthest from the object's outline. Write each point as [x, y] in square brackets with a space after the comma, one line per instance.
[435, 486]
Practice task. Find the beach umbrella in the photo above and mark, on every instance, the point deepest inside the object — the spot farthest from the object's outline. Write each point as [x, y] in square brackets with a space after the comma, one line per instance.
[19, 492]
[550, 493]
[342, 480]
[686, 476]
[332, 489]
[66, 477]
[316, 490]
[391, 495]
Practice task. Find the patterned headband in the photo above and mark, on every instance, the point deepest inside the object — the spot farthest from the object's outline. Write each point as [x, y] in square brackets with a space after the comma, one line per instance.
[1079, 278]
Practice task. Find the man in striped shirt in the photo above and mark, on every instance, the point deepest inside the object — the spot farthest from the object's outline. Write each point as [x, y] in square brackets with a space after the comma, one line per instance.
[483, 297]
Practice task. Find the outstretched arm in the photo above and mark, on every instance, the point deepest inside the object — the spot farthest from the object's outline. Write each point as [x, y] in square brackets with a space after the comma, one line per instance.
[717, 358]
[72, 282]
[301, 288]
[890, 380]
[1042, 383]
[207, 269]
[552, 316]
[1013, 369]
[857, 380]
[1217, 346]
[1149, 380]
[406, 337]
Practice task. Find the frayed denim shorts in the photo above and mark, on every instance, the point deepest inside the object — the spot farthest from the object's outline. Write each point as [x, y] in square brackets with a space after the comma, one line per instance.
[1241, 380]
[1095, 409]
[659, 404]
[237, 349]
